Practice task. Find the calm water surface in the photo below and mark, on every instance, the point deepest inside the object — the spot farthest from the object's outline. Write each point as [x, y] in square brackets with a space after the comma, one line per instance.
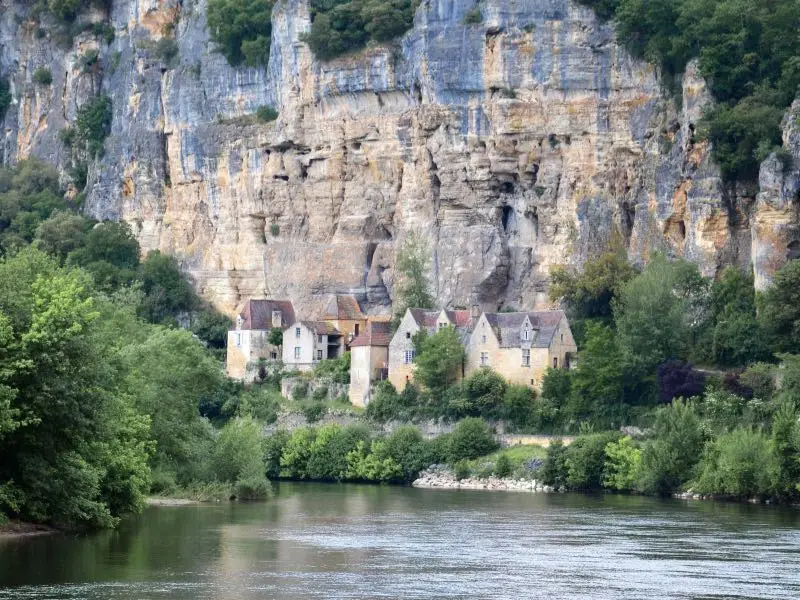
[346, 541]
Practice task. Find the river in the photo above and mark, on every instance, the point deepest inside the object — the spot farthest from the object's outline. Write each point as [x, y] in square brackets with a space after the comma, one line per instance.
[350, 541]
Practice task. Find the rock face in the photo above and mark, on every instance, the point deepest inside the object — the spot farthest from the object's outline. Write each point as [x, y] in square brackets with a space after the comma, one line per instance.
[528, 140]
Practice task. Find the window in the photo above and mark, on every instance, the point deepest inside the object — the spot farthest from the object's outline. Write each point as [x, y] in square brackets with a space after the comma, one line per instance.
[319, 354]
[442, 326]
[356, 329]
[533, 382]
[555, 362]
[276, 318]
[273, 356]
[238, 339]
[483, 339]
[526, 334]
[408, 335]
[484, 359]
[297, 332]
[526, 357]
[562, 338]
[409, 356]
[297, 352]
[319, 338]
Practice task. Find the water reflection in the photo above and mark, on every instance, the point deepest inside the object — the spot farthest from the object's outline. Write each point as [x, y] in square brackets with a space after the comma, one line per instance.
[318, 541]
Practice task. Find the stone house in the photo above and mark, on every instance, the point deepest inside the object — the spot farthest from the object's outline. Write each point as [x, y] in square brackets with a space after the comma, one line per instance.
[305, 343]
[369, 360]
[401, 348]
[521, 346]
[345, 314]
[248, 342]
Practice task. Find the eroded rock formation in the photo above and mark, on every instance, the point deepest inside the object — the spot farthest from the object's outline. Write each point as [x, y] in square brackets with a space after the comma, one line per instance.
[528, 140]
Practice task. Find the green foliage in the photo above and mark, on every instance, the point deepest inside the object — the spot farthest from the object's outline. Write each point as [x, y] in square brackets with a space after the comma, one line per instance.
[273, 449]
[439, 361]
[211, 326]
[471, 438]
[473, 16]
[740, 464]
[341, 27]
[239, 458]
[65, 10]
[74, 448]
[760, 377]
[462, 469]
[89, 60]
[166, 50]
[519, 406]
[655, 313]
[242, 30]
[786, 445]
[314, 411]
[555, 470]
[586, 461]
[623, 465]
[5, 97]
[275, 336]
[265, 114]
[336, 369]
[42, 76]
[480, 395]
[166, 290]
[110, 253]
[502, 467]
[670, 457]
[780, 309]
[411, 266]
[62, 233]
[747, 51]
[92, 125]
[328, 459]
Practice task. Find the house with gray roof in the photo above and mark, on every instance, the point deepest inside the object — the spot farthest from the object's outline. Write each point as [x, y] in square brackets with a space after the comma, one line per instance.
[521, 346]
[248, 342]
[401, 348]
[305, 343]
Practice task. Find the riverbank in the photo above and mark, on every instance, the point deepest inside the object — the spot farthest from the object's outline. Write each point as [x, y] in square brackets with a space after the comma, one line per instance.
[444, 479]
[163, 501]
[19, 529]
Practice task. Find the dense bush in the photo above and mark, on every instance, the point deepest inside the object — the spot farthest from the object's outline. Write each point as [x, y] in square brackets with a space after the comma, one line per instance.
[265, 114]
[471, 438]
[239, 458]
[747, 51]
[677, 379]
[586, 460]
[336, 369]
[623, 465]
[5, 97]
[42, 76]
[555, 470]
[242, 30]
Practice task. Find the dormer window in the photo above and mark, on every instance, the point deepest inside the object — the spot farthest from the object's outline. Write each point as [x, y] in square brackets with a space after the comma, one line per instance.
[297, 332]
[239, 322]
[277, 318]
[526, 334]
[442, 326]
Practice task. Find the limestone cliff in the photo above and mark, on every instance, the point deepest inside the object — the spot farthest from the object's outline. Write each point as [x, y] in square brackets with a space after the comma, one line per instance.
[528, 140]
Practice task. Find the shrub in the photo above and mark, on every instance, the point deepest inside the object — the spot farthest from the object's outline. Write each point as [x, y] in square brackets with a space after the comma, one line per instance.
[65, 10]
[586, 459]
[760, 378]
[406, 447]
[265, 114]
[461, 470]
[471, 438]
[518, 406]
[273, 449]
[320, 393]
[242, 30]
[239, 459]
[166, 50]
[328, 460]
[212, 327]
[300, 390]
[88, 60]
[93, 124]
[336, 369]
[473, 16]
[67, 136]
[741, 464]
[5, 97]
[555, 470]
[42, 76]
[623, 464]
[677, 379]
[385, 404]
[502, 467]
[372, 464]
[296, 452]
[314, 411]
[669, 458]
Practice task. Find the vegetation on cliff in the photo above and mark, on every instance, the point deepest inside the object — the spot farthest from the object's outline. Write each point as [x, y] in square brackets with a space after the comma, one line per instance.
[242, 30]
[749, 52]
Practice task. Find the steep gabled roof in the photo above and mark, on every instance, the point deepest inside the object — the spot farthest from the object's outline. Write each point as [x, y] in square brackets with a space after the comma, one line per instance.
[344, 308]
[378, 333]
[460, 319]
[507, 327]
[257, 313]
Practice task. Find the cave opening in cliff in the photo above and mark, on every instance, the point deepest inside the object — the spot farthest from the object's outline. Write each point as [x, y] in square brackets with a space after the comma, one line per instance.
[506, 217]
[682, 229]
[793, 250]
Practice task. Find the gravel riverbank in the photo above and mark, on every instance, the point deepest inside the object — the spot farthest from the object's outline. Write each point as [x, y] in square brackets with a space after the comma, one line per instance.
[444, 479]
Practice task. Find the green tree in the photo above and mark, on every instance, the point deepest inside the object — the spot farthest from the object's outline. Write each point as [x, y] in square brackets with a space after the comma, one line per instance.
[238, 458]
[439, 361]
[211, 326]
[586, 460]
[411, 267]
[786, 443]
[670, 457]
[481, 395]
[622, 470]
[276, 337]
[780, 309]
[740, 463]
[471, 438]
[110, 253]
[555, 470]
[242, 30]
[518, 405]
[61, 233]
[599, 380]
[167, 292]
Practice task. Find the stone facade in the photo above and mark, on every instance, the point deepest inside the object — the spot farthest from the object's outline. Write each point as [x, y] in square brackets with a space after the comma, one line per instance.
[401, 348]
[521, 346]
[248, 343]
[369, 361]
[305, 343]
